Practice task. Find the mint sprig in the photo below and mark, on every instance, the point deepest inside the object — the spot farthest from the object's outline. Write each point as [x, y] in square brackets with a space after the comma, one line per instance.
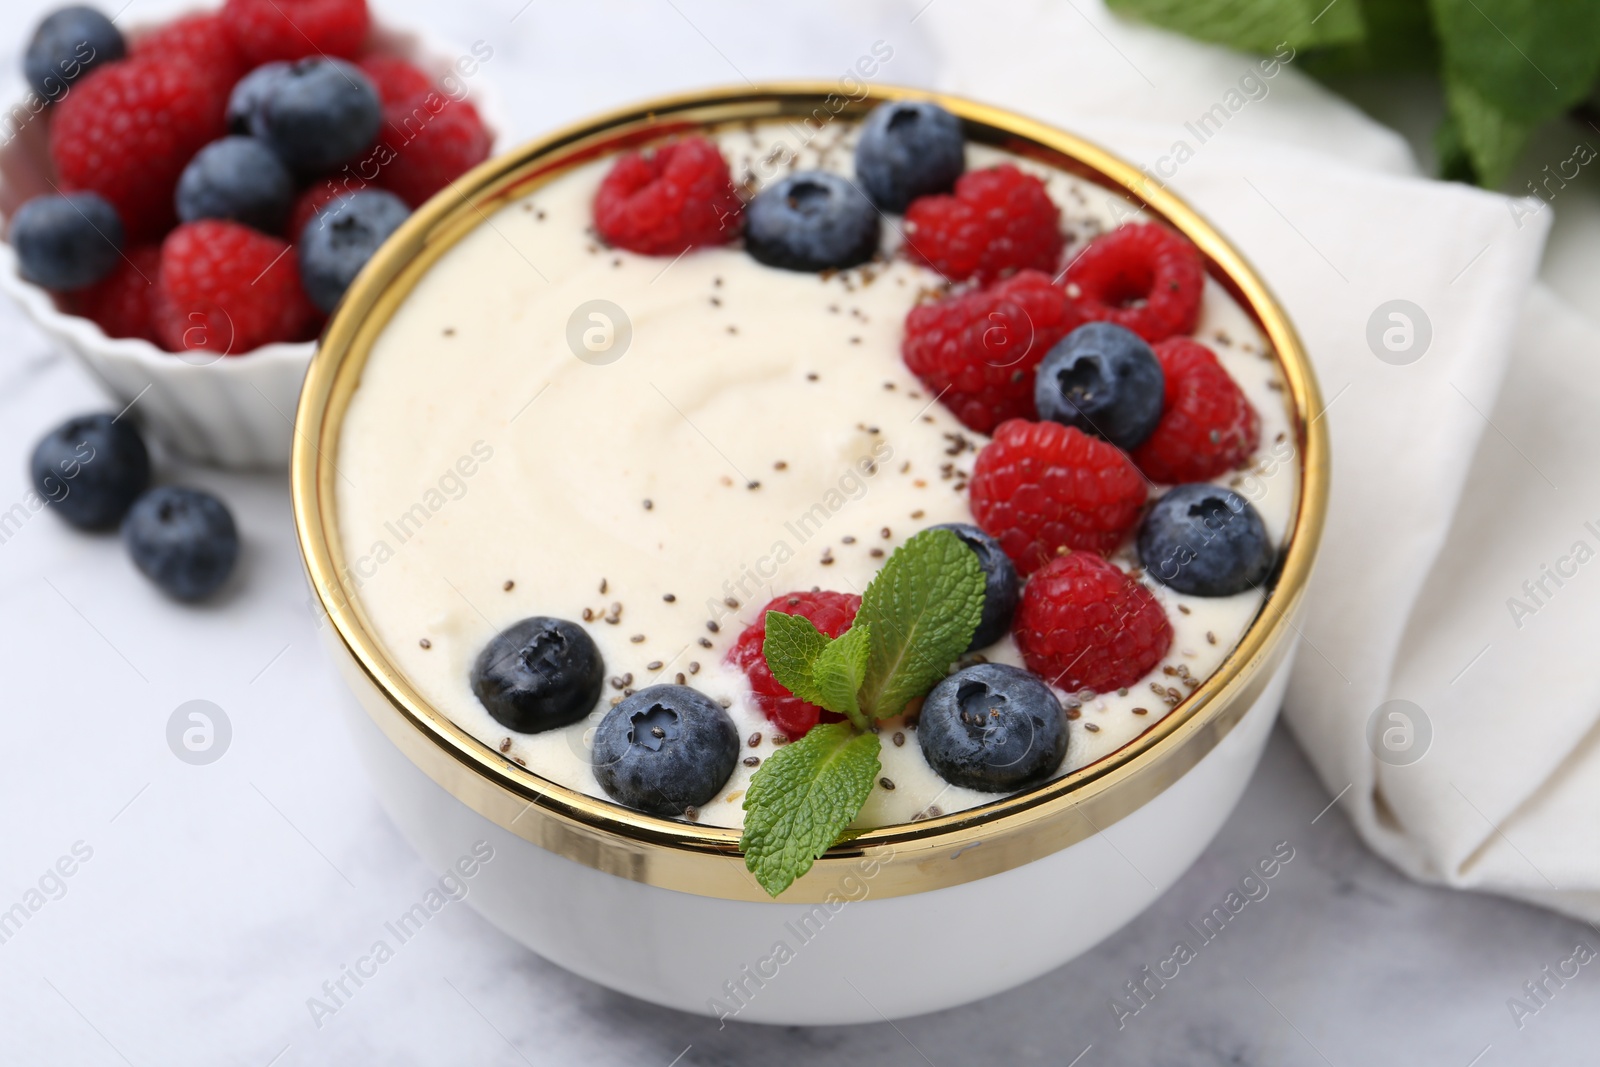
[802, 799]
[916, 617]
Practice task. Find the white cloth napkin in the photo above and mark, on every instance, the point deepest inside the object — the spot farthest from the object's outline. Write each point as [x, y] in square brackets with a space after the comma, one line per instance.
[1457, 477]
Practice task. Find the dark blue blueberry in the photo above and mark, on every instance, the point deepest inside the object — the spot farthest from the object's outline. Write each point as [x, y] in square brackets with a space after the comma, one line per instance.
[993, 728]
[812, 220]
[337, 243]
[1205, 540]
[249, 97]
[1000, 586]
[319, 113]
[184, 540]
[909, 148]
[1104, 380]
[237, 178]
[665, 749]
[68, 44]
[67, 242]
[91, 469]
[539, 674]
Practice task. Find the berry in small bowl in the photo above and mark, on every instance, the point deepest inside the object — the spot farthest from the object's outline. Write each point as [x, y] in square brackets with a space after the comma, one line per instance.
[154, 125]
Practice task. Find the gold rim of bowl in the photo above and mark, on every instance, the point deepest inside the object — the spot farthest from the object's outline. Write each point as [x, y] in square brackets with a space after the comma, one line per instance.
[908, 858]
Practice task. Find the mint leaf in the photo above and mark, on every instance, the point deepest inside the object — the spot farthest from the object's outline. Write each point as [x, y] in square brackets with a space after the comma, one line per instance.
[1521, 62]
[1253, 25]
[803, 798]
[1399, 37]
[791, 648]
[839, 671]
[921, 610]
[1490, 139]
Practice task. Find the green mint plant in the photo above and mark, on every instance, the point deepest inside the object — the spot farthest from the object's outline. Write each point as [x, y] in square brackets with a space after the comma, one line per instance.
[916, 618]
[1506, 66]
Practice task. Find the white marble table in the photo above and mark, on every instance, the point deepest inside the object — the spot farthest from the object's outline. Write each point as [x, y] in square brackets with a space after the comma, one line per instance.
[216, 900]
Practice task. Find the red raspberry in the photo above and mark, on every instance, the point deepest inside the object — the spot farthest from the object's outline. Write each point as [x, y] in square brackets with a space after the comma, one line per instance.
[1041, 487]
[394, 78]
[1084, 624]
[831, 613]
[315, 197]
[1207, 426]
[227, 289]
[202, 39]
[265, 30]
[123, 303]
[977, 351]
[431, 140]
[127, 130]
[1143, 277]
[998, 221]
[667, 199]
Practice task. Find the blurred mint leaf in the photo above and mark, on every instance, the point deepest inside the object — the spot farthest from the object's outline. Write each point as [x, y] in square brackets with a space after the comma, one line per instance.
[791, 648]
[1253, 25]
[1399, 38]
[802, 798]
[1511, 63]
[839, 671]
[922, 609]
[1483, 134]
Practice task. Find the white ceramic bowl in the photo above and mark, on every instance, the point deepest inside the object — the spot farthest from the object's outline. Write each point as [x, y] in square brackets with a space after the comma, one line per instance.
[236, 411]
[665, 910]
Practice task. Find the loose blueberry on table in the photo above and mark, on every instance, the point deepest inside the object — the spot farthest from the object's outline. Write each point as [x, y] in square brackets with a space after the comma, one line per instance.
[91, 468]
[184, 540]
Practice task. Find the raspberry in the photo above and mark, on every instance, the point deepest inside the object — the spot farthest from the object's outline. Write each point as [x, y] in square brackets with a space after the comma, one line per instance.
[998, 221]
[395, 79]
[227, 289]
[1040, 487]
[665, 200]
[1207, 426]
[977, 351]
[316, 196]
[123, 303]
[432, 141]
[265, 30]
[202, 39]
[1084, 624]
[831, 613]
[1143, 277]
[127, 131]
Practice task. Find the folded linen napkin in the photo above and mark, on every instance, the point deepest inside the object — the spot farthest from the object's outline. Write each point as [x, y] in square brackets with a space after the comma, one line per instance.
[1443, 691]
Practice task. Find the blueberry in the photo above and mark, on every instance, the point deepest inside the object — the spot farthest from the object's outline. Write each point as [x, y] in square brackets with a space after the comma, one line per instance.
[90, 469]
[539, 674]
[184, 540]
[68, 44]
[236, 178]
[67, 242]
[1205, 540]
[909, 148]
[249, 96]
[336, 244]
[320, 113]
[1104, 380]
[993, 728]
[812, 220]
[664, 749]
[1000, 588]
